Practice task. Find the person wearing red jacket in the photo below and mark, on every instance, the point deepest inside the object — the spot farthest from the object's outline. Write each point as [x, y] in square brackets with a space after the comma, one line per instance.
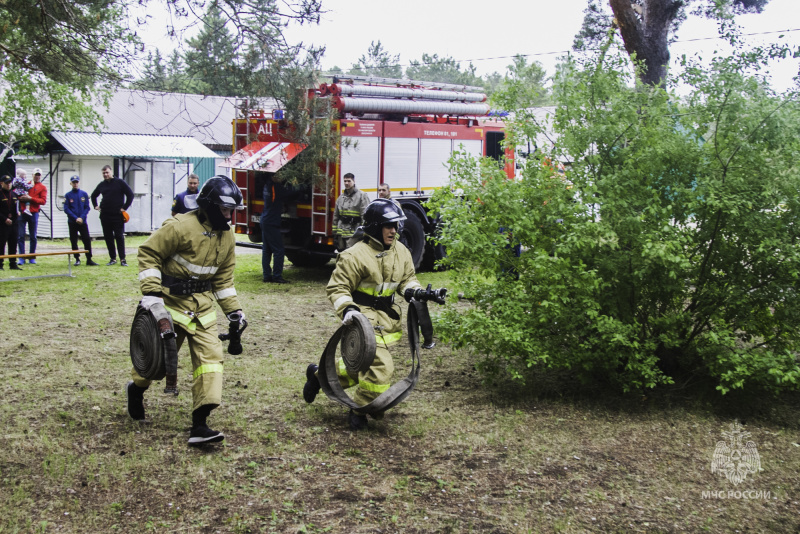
[36, 198]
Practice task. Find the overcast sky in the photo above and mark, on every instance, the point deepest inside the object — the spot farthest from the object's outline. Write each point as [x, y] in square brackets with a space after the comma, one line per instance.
[490, 33]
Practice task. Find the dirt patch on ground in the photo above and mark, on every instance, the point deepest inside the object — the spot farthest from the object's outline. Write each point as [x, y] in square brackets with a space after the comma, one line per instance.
[456, 456]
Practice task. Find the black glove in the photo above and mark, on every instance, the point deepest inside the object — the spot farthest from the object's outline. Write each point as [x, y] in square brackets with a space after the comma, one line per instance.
[425, 295]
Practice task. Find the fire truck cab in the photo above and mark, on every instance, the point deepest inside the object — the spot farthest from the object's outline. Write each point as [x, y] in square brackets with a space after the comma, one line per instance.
[396, 132]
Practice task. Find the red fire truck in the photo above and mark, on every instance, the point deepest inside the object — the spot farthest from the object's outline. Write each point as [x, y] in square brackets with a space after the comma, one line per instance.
[396, 132]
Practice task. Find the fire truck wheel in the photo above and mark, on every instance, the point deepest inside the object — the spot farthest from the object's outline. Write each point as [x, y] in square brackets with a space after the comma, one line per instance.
[413, 237]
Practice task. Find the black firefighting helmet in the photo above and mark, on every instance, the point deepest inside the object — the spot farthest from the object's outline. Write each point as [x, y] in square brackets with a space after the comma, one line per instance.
[379, 213]
[220, 191]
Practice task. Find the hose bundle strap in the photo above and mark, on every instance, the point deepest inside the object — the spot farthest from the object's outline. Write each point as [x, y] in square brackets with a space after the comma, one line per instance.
[329, 379]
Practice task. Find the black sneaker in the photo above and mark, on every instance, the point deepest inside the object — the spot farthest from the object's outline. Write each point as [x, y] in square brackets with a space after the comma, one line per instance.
[112, 262]
[311, 387]
[135, 397]
[279, 280]
[77, 262]
[267, 279]
[91, 263]
[16, 268]
[123, 263]
[357, 421]
[202, 434]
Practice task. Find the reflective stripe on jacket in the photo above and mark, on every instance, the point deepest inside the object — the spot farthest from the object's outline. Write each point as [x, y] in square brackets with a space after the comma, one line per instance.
[351, 206]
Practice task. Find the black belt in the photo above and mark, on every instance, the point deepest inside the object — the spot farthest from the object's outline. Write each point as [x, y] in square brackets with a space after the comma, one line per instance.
[181, 286]
[379, 303]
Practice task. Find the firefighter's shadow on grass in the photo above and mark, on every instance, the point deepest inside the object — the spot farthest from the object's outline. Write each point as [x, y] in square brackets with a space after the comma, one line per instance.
[309, 275]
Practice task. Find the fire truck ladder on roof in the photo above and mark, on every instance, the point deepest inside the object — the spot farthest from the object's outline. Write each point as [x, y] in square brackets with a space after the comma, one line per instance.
[242, 112]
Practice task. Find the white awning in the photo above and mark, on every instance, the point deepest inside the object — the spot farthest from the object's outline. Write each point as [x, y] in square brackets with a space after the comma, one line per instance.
[261, 156]
[132, 145]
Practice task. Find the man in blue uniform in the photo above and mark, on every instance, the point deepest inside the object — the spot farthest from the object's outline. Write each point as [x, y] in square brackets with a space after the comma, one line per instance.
[77, 206]
[181, 204]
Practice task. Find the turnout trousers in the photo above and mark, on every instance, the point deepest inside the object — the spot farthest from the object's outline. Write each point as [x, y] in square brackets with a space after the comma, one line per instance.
[372, 382]
[205, 349]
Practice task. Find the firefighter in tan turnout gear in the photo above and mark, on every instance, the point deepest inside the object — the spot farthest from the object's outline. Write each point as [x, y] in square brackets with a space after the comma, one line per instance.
[365, 280]
[186, 265]
[350, 207]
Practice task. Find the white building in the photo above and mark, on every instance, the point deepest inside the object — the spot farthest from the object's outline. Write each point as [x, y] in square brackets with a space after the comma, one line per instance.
[151, 140]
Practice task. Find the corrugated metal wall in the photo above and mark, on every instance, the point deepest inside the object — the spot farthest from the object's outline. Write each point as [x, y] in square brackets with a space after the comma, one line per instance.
[152, 203]
[205, 168]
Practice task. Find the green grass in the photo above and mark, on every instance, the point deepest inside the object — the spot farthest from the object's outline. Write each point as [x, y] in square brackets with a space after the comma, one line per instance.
[456, 456]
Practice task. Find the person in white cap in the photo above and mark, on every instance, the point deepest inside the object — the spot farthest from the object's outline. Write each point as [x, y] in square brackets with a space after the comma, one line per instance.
[29, 218]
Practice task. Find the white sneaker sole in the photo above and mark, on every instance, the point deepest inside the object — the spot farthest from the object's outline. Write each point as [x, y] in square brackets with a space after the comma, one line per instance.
[210, 439]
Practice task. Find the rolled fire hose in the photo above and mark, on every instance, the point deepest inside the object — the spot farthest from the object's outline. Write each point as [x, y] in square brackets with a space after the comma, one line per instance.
[329, 380]
[154, 351]
[358, 344]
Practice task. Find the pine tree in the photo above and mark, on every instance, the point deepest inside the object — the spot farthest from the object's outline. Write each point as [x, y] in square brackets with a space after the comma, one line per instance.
[155, 73]
[211, 60]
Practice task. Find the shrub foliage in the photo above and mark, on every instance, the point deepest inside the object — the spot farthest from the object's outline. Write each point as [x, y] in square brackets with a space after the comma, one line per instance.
[666, 247]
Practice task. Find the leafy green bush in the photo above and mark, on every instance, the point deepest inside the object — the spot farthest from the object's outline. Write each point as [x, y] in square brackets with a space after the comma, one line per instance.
[668, 246]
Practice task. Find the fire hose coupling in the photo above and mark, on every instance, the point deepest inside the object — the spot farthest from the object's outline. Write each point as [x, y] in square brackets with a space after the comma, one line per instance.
[236, 326]
[165, 329]
[426, 295]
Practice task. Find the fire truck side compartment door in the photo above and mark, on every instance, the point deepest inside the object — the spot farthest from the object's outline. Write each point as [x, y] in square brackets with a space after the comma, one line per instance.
[433, 168]
[362, 158]
[401, 164]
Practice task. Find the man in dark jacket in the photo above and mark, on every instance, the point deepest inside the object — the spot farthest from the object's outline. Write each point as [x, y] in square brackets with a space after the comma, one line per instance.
[275, 194]
[117, 197]
[76, 206]
[182, 204]
[8, 221]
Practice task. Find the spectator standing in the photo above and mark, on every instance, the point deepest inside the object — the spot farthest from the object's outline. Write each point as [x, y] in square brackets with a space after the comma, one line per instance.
[349, 208]
[29, 218]
[117, 197]
[183, 205]
[275, 194]
[76, 206]
[384, 191]
[8, 221]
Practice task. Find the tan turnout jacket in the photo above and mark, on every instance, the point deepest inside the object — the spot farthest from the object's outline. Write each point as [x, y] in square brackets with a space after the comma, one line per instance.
[188, 249]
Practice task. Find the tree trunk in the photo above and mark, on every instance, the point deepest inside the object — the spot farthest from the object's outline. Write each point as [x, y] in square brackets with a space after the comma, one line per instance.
[644, 31]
